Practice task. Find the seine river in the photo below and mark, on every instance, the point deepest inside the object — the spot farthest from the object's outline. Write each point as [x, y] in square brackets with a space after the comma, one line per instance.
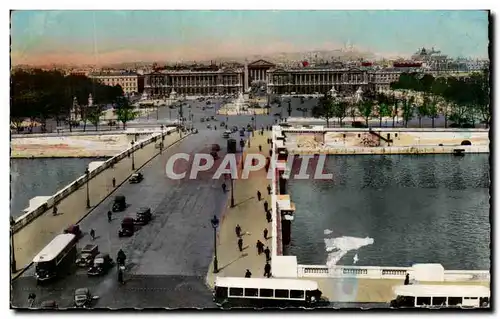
[42, 177]
[395, 211]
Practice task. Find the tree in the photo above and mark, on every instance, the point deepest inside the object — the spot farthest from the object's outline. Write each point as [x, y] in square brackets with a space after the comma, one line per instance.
[422, 109]
[383, 111]
[124, 111]
[433, 110]
[340, 111]
[324, 109]
[408, 109]
[94, 115]
[365, 108]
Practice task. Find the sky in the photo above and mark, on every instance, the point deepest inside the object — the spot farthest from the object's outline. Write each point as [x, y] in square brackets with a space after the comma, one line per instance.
[97, 37]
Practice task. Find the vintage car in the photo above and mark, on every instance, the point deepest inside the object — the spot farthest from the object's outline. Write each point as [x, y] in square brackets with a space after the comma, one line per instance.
[202, 119]
[216, 147]
[87, 255]
[119, 203]
[144, 216]
[226, 134]
[48, 304]
[137, 177]
[234, 129]
[195, 131]
[213, 118]
[209, 126]
[75, 230]
[222, 124]
[102, 263]
[83, 297]
[127, 227]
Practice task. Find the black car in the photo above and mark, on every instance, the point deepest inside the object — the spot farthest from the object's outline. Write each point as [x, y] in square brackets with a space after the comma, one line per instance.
[144, 216]
[127, 227]
[102, 263]
[136, 178]
[119, 204]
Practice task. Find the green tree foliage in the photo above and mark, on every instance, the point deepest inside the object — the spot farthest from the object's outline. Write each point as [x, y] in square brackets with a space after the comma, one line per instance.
[324, 108]
[40, 95]
[462, 99]
[94, 115]
[383, 108]
[124, 111]
[340, 111]
[365, 108]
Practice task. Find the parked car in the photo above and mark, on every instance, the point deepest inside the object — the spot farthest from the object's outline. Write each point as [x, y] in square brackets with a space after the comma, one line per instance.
[143, 216]
[136, 178]
[226, 134]
[75, 230]
[119, 203]
[195, 131]
[87, 255]
[83, 297]
[102, 264]
[202, 119]
[127, 227]
[358, 124]
[209, 126]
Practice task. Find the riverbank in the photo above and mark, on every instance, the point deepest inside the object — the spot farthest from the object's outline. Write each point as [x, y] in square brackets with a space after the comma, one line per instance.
[69, 146]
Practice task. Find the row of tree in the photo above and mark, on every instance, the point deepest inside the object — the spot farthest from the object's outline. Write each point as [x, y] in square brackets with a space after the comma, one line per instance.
[464, 101]
[40, 95]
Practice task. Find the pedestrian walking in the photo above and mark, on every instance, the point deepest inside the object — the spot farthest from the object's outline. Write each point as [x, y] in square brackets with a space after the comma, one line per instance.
[267, 252]
[267, 270]
[260, 148]
[120, 276]
[260, 247]
[265, 233]
[54, 211]
[240, 244]
[407, 279]
[268, 216]
[268, 189]
[259, 196]
[224, 187]
[109, 215]
[31, 299]
[114, 182]
[92, 234]
[238, 230]
[266, 206]
[248, 274]
[271, 152]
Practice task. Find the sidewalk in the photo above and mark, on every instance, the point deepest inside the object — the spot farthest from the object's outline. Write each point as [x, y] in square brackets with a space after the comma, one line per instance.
[33, 237]
[249, 214]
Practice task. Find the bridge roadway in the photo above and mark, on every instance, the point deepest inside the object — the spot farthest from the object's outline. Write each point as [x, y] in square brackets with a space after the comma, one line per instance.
[167, 260]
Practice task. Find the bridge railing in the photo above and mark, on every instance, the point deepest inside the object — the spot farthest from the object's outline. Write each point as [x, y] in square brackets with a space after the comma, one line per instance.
[376, 272]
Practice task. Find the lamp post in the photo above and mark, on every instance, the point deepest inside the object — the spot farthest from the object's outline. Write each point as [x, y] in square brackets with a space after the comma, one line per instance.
[215, 223]
[232, 191]
[88, 182]
[132, 151]
[13, 261]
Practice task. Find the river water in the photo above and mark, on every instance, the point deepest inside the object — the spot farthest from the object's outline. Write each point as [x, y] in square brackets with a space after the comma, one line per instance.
[42, 177]
[395, 211]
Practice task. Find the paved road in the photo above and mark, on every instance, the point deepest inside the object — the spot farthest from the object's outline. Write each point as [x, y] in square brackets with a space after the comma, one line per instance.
[171, 254]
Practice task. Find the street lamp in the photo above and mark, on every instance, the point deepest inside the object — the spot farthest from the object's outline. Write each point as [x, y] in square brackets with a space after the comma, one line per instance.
[232, 190]
[88, 182]
[13, 261]
[215, 223]
[132, 150]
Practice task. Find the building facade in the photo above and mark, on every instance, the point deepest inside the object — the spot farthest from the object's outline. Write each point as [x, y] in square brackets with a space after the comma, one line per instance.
[194, 82]
[129, 81]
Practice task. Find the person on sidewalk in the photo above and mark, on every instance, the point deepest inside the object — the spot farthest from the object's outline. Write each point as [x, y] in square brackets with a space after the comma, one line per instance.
[268, 189]
[31, 299]
[120, 276]
[224, 187]
[268, 216]
[267, 270]
[238, 230]
[109, 215]
[259, 196]
[248, 274]
[114, 182]
[92, 234]
[407, 279]
[266, 206]
[240, 244]
[260, 247]
[267, 252]
[260, 148]
[54, 211]
[265, 233]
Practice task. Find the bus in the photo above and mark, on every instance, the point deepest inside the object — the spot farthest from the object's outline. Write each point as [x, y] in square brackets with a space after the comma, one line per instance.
[440, 296]
[59, 253]
[265, 292]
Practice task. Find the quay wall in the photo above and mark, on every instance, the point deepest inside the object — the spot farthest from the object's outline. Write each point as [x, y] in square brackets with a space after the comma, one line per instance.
[33, 213]
[287, 266]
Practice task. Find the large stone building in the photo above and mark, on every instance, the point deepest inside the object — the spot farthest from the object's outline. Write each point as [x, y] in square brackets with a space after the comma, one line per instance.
[129, 81]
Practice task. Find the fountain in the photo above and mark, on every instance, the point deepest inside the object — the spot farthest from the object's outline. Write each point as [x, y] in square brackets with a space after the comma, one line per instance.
[238, 105]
